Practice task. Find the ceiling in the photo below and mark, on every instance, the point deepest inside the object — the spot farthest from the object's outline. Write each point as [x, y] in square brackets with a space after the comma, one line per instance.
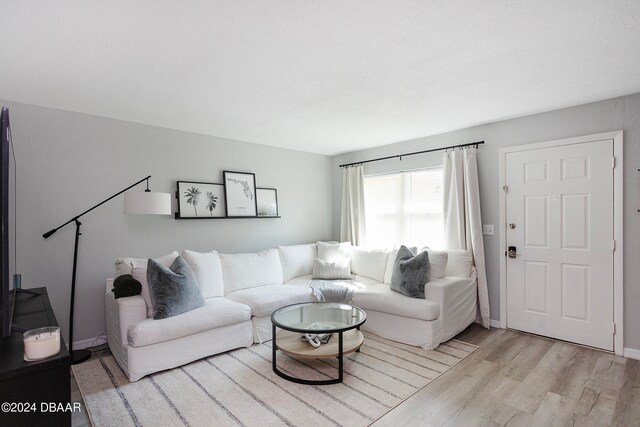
[320, 76]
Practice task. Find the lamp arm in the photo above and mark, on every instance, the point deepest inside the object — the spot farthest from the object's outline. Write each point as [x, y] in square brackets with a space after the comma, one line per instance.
[75, 218]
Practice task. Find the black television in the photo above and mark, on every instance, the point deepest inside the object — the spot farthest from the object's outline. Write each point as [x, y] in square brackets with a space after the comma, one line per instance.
[6, 295]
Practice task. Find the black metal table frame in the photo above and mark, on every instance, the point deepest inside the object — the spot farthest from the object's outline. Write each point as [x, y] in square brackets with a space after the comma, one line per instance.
[340, 357]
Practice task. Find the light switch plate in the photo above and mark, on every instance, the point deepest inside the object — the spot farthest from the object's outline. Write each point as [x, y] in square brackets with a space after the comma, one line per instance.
[488, 230]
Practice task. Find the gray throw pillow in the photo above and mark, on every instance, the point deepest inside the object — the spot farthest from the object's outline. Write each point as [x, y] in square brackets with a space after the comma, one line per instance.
[410, 273]
[174, 290]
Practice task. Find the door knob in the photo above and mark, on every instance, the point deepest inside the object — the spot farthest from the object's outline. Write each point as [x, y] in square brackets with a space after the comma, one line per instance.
[512, 252]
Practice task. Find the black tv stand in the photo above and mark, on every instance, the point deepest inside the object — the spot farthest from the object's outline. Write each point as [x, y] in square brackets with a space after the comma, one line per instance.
[25, 291]
[12, 301]
[42, 381]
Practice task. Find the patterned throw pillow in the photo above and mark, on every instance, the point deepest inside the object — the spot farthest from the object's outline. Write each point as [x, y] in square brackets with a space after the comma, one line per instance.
[332, 270]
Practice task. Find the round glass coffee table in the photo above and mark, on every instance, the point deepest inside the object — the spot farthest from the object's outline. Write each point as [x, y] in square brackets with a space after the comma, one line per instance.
[343, 321]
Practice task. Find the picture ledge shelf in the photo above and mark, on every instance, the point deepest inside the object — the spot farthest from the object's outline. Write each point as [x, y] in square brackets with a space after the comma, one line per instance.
[177, 216]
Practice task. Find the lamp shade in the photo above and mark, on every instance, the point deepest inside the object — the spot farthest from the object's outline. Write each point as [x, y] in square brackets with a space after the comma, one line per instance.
[147, 203]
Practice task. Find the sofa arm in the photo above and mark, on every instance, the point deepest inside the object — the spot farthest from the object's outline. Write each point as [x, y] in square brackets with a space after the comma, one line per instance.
[122, 313]
[456, 297]
[109, 284]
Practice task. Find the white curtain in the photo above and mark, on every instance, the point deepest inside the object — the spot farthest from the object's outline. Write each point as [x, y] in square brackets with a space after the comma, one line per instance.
[352, 224]
[463, 224]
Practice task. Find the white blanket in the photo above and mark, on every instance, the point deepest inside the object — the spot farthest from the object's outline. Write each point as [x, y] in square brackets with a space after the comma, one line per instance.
[333, 290]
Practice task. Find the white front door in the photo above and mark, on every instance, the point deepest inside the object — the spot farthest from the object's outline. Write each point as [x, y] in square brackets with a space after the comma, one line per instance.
[559, 216]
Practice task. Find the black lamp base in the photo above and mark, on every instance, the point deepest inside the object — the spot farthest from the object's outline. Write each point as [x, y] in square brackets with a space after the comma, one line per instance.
[79, 356]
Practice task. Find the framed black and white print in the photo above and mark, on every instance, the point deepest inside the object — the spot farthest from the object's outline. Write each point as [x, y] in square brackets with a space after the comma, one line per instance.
[240, 194]
[267, 202]
[200, 200]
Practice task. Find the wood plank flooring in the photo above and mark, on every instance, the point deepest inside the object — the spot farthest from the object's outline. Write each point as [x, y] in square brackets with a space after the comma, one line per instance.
[516, 379]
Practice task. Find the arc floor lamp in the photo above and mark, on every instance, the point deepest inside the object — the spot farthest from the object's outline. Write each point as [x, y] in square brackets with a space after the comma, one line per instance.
[144, 203]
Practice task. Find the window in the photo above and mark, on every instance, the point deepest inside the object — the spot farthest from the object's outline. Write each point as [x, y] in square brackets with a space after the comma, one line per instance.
[405, 209]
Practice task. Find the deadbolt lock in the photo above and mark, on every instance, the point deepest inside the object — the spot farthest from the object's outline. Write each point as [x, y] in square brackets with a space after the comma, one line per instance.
[512, 252]
[512, 226]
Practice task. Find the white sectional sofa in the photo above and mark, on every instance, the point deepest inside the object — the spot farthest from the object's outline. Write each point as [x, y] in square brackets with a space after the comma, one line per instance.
[242, 290]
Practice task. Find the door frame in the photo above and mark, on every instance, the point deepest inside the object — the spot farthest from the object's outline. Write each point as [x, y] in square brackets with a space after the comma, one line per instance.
[618, 254]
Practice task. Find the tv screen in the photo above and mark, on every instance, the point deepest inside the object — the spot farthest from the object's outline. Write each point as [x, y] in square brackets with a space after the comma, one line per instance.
[6, 302]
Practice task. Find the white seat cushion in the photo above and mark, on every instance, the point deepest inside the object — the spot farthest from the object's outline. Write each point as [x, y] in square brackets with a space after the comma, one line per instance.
[216, 312]
[365, 281]
[369, 262]
[438, 261]
[300, 281]
[264, 300]
[382, 298]
[459, 263]
[297, 260]
[242, 271]
[208, 271]
[333, 251]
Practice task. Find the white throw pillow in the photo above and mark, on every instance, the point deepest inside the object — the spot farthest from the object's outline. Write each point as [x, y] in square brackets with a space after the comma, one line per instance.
[438, 261]
[297, 260]
[369, 262]
[139, 272]
[391, 259]
[242, 271]
[459, 264]
[208, 271]
[330, 270]
[334, 251]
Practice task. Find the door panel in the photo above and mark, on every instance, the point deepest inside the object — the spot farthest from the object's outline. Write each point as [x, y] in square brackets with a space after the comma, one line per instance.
[560, 201]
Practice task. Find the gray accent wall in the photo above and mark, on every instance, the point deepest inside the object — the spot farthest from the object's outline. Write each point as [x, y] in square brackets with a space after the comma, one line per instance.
[621, 113]
[67, 162]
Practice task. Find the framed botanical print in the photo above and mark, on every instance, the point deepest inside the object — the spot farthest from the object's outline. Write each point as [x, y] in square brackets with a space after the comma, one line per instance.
[200, 200]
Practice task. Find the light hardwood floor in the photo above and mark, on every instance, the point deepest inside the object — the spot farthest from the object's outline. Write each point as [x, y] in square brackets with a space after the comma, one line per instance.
[516, 379]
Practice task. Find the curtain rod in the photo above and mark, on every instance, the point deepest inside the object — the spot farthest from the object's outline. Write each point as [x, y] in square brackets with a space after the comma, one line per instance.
[412, 154]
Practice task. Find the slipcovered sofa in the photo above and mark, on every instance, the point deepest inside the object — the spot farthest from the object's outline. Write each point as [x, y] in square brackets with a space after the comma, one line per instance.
[242, 290]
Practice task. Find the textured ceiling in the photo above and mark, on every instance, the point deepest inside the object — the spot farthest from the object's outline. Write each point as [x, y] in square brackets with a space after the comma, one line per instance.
[321, 76]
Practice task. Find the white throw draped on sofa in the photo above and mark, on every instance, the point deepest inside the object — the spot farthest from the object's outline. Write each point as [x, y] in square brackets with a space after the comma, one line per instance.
[463, 224]
[352, 224]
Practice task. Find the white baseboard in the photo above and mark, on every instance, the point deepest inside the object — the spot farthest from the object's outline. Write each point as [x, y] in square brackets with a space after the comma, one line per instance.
[632, 353]
[89, 342]
[494, 323]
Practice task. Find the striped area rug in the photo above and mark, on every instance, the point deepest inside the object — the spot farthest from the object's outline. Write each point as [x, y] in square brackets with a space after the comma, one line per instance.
[238, 388]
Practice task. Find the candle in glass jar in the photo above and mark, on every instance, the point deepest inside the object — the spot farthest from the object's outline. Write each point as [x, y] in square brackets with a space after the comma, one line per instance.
[41, 343]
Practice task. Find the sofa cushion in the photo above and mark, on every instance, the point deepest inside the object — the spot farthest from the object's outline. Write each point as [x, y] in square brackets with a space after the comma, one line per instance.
[208, 271]
[243, 271]
[369, 262]
[297, 260]
[329, 270]
[216, 313]
[438, 261]
[459, 263]
[300, 281]
[410, 273]
[138, 269]
[333, 251]
[365, 281]
[264, 300]
[381, 298]
[174, 290]
[391, 260]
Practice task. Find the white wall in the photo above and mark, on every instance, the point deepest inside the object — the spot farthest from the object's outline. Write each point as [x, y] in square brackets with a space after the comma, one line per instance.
[614, 114]
[67, 162]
